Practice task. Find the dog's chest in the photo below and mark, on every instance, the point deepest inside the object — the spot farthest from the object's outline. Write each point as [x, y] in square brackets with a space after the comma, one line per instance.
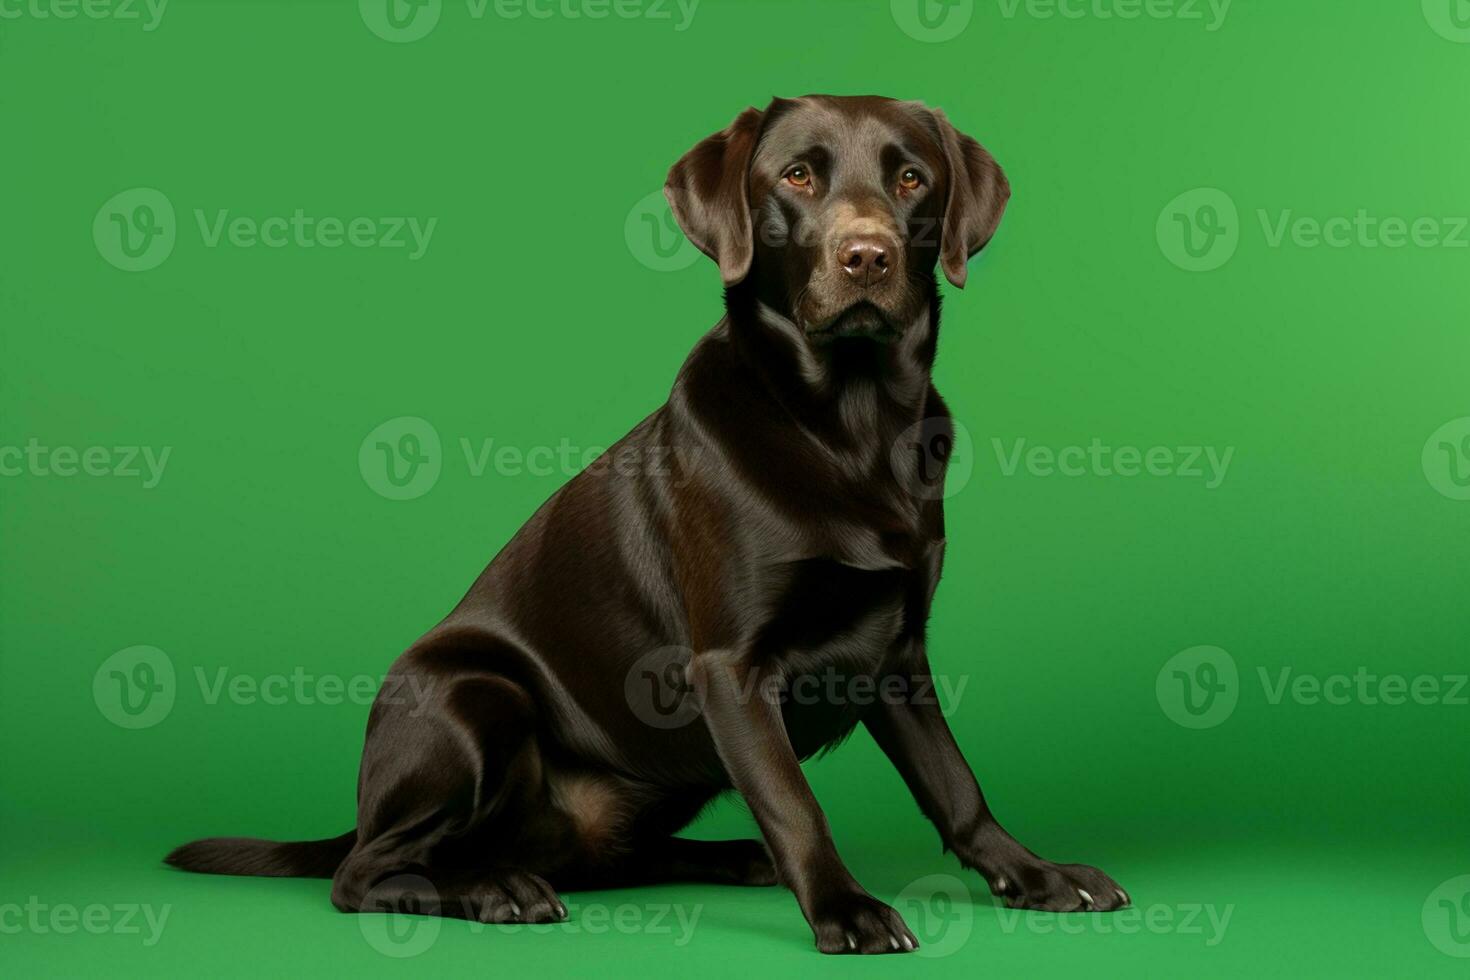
[832, 632]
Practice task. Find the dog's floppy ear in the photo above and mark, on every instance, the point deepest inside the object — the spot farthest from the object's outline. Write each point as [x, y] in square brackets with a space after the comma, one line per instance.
[978, 191]
[709, 190]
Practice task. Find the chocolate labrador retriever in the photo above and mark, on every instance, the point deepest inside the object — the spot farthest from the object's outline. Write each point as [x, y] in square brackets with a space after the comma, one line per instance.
[635, 649]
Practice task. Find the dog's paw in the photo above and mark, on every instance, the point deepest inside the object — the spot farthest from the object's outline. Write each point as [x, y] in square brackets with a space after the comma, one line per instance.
[516, 896]
[1038, 884]
[858, 923]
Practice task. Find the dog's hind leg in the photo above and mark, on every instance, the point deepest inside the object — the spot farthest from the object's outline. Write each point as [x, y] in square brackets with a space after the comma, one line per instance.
[453, 810]
[730, 862]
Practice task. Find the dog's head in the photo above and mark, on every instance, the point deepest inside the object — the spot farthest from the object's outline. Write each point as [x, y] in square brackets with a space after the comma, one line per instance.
[837, 208]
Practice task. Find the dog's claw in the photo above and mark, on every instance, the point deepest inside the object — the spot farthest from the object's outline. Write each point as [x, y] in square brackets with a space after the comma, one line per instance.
[1042, 885]
[858, 923]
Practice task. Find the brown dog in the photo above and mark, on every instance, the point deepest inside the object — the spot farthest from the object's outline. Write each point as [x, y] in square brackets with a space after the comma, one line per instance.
[636, 648]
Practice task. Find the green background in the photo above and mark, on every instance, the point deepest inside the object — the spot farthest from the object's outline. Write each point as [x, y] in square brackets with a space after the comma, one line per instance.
[531, 320]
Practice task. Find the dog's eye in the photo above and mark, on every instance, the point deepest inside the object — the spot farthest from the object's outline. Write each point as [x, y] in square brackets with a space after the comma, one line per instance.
[798, 177]
[910, 180]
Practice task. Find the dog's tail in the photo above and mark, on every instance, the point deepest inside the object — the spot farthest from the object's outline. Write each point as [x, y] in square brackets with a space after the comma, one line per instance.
[275, 859]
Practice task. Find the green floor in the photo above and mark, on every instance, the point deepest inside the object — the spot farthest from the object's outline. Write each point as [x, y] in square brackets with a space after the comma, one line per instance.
[1207, 912]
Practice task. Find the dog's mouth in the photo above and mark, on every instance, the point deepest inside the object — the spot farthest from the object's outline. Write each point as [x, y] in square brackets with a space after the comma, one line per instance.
[861, 319]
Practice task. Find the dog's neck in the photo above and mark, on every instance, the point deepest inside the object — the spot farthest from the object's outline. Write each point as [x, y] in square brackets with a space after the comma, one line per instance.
[857, 386]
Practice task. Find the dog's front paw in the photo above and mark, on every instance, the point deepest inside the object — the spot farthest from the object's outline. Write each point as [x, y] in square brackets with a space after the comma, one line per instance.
[856, 922]
[1038, 884]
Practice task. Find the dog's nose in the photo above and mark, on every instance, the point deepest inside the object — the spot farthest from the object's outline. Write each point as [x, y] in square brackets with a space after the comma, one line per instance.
[865, 259]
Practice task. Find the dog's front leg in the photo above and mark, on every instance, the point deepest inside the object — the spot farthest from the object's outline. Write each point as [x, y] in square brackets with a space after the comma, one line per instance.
[742, 709]
[914, 734]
